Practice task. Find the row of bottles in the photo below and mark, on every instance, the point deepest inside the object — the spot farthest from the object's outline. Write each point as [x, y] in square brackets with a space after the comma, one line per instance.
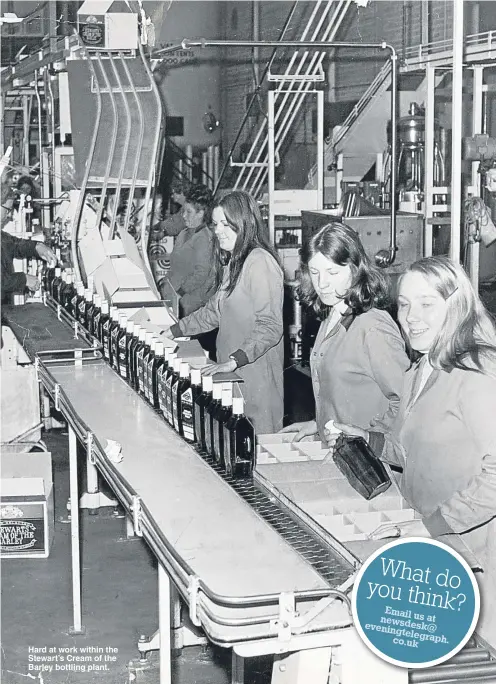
[202, 411]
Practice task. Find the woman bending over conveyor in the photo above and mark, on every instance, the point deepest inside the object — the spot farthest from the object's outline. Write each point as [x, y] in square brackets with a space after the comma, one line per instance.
[444, 435]
[359, 357]
[247, 310]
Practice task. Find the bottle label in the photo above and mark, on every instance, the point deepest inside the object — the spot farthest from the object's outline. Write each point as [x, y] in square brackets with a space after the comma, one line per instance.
[106, 339]
[115, 348]
[187, 415]
[96, 323]
[122, 357]
[168, 387]
[200, 433]
[74, 302]
[174, 407]
[140, 370]
[161, 389]
[81, 309]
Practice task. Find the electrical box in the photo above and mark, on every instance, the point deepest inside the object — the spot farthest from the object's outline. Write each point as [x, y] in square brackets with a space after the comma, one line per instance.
[107, 25]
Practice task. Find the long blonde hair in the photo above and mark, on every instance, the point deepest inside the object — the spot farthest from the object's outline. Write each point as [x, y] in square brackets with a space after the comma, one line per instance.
[468, 337]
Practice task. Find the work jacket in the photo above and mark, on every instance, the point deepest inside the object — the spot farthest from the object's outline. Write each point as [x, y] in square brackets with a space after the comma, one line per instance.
[250, 329]
[14, 248]
[445, 441]
[357, 370]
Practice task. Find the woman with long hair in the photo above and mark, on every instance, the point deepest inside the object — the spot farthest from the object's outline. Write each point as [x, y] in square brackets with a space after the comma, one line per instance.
[444, 436]
[247, 310]
[359, 357]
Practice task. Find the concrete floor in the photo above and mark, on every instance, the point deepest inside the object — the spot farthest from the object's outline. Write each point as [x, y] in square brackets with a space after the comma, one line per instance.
[119, 602]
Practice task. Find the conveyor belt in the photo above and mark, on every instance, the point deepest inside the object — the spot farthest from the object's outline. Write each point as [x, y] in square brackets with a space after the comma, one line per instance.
[331, 566]
[39, 330]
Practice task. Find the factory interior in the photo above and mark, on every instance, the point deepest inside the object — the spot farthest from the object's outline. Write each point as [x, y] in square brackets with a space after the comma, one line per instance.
[179, 180]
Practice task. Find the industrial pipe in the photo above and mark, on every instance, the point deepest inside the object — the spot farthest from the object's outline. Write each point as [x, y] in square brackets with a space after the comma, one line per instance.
[384, 257]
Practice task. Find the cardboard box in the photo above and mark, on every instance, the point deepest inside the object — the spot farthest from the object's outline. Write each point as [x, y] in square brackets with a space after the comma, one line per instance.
[26, 505]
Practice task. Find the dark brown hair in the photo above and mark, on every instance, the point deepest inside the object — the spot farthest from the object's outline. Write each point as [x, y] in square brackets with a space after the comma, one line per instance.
[341, 244]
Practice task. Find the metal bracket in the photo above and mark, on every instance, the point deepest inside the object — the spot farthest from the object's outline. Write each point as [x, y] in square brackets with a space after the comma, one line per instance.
[36, 369]
[287, 615]
[89, 448]
[136, 511]
[56, 397]
[59, 309]
[76, 330]
[193, 590]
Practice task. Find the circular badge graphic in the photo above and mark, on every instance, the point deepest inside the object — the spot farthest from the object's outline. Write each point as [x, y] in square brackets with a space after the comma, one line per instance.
[415, 602]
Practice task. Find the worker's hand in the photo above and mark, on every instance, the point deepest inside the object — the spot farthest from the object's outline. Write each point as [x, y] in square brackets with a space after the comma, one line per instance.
[32, 283]
[46, 254]
[306, 428]
[166, 332]
[407, 528]
[331, 437]
[213, 368]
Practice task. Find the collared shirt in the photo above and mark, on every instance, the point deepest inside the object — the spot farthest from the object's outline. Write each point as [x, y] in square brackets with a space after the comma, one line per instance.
[357, 370]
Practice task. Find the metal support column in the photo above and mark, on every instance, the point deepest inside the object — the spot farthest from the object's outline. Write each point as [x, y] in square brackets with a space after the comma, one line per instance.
[473, 247]
[456, 131]
[429, 159]
[77, 627]
[271, 159]
[164, 619]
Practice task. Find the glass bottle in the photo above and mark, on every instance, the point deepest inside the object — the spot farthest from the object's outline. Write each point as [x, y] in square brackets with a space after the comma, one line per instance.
[120, 348]
[172, 375]
[220, 417]
[210, 409]
[96, 315]
[141, 362]
[201, 402]
[239, 442]
[161, 378]
[114, 331]
[181, 386]
[56, 282]
[154, 366]
[129, 341]
[103, 326]
[132, 355]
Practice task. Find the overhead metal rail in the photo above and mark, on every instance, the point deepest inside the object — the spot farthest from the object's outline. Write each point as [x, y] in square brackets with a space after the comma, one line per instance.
[384, 258]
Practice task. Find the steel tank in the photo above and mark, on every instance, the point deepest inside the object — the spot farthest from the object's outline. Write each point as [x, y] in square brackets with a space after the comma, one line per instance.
[189, 80]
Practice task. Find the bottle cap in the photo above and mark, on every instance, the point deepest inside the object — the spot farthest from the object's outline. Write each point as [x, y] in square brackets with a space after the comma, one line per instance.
[97, 300]
[80, 289]
[226, 398]
[159, 348]
[122, 320]
[217, 391]
[207, 383]
[148, 337]
[64, 276]
[184, 370]
[130, 327]
[105, 307]
[142, 334]
[88, 296]
[58, 271]
[176, 364]
[68, 279]
[196, 376]
[238, 405]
